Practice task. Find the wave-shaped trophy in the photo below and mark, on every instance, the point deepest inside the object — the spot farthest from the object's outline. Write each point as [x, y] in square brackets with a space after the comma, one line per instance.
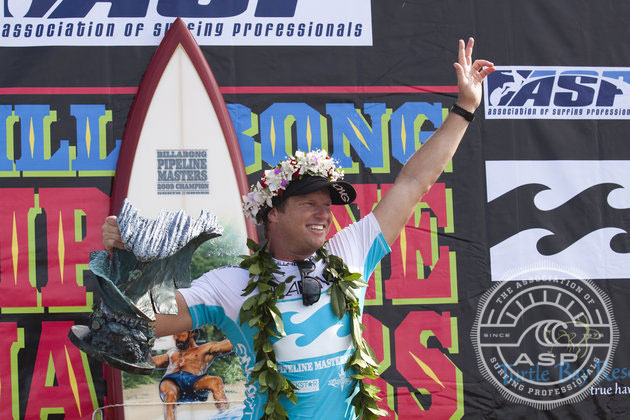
[138, 282]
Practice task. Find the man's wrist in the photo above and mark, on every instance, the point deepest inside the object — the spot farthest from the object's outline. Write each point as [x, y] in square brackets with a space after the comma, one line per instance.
[462, 112]
[467, 105]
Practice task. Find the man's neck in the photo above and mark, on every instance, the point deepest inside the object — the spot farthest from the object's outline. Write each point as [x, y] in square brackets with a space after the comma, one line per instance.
[289, 256]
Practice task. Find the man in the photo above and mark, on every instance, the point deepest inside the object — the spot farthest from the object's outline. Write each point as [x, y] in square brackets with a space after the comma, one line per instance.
[296, 214]
[185, 379]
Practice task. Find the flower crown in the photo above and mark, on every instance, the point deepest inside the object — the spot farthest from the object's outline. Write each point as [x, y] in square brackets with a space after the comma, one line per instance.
[274, 181]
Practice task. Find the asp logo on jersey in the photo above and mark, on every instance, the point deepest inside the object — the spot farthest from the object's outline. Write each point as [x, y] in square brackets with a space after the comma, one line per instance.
[27, 23]
[578, 93]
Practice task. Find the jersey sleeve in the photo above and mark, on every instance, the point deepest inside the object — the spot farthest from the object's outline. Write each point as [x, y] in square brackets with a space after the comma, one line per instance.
[361, 245]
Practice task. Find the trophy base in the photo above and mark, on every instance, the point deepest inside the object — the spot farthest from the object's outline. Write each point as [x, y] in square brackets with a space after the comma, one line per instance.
[80, 336]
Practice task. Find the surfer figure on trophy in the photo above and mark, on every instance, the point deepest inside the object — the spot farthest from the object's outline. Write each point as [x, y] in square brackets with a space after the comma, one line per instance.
[138, 282]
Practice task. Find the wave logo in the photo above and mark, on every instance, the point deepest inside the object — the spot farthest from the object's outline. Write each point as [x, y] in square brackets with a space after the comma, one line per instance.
[312, 331]
[558, 93]
[212, 22]
[559, 212]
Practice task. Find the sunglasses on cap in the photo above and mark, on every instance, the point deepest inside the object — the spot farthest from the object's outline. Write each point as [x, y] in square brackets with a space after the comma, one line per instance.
[311, 287]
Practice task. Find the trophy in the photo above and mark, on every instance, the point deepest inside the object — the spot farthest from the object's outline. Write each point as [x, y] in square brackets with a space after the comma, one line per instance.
[139, 282]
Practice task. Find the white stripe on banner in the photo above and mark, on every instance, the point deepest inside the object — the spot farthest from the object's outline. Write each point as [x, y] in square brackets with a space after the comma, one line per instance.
[25, 23]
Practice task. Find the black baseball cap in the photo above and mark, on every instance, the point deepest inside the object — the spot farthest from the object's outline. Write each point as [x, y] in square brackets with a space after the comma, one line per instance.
[341, 192]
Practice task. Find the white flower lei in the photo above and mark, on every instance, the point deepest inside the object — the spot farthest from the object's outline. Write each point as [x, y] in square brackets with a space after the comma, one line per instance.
[274, 181]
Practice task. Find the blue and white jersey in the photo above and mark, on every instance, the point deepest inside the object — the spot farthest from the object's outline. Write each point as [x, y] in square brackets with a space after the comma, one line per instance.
[317, 344]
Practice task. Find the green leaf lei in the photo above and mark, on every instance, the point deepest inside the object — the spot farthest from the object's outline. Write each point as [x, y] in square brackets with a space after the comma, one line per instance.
[261, 311]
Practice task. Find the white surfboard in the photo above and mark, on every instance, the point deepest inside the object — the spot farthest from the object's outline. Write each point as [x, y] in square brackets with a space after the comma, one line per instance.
[179, 151]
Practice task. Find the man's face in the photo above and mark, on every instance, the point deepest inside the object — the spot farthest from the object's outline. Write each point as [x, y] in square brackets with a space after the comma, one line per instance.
[182, 340]
[301, 226]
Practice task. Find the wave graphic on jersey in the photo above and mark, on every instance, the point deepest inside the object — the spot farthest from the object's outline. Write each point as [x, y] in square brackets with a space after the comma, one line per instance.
[312, 331]
[575, 221]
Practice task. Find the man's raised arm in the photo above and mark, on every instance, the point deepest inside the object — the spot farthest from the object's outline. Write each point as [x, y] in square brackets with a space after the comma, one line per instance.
[427, 163]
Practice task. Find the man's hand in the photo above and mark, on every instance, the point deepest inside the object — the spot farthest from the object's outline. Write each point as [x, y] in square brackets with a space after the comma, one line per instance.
[425, 166]
[470, 75]
[111, 235]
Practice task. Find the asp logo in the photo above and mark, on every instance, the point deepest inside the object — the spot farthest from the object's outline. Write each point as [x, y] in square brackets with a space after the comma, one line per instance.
[212, 22]
[546, 341]
[558, 93]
